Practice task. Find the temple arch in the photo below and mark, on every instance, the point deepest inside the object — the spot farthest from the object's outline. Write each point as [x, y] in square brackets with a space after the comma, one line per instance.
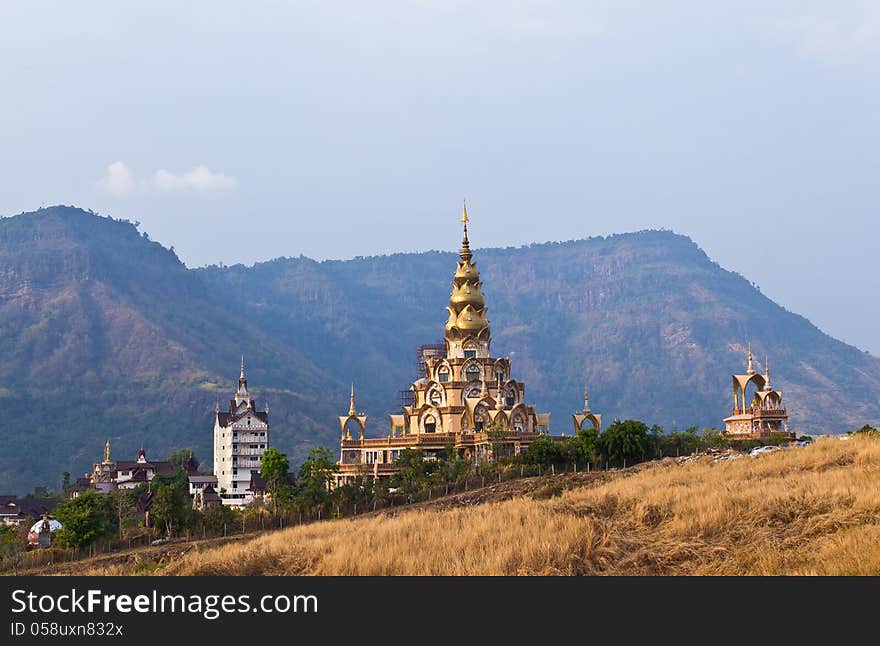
[436, 395]
[444, 372]
[481, 417]
[430, 421]
[472, 371]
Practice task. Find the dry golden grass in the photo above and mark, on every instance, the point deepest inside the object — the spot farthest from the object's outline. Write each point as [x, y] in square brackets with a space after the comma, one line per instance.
[807, 511]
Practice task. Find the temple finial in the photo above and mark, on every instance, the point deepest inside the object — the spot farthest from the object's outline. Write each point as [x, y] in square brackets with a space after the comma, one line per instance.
[766, 373]
[107, 452]
[351, 409]
[465, 252]
[242, 367]
[586, 399]
[751, 368]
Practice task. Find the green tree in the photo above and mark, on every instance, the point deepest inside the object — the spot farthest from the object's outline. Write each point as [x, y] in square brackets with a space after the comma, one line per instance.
[85, 519]
[274, 469]
[624, 442]
[171, 508]
[315, 477]
[12, 546]
[123, 502]
[586, 445]
[496, 433]
[414, 471]
[543, 451]
[658, 440]
[219, 517]
[712, 439]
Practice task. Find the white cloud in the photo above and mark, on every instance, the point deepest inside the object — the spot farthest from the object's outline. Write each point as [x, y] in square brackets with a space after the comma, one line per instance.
[200, 178]
[118, 180]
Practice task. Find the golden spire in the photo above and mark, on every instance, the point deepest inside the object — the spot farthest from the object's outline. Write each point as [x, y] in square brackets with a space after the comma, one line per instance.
[751, 369]
[467, 323]
[465, 252]
[107, 452]
[352, 411]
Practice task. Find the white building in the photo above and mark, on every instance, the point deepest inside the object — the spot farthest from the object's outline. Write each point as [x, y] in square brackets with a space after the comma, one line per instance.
[241, 436]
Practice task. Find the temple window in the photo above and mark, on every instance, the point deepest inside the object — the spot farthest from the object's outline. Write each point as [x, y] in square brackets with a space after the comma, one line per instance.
[435, 397]
[443, 374]
[430, 424]
[472, 372]
[469, 354]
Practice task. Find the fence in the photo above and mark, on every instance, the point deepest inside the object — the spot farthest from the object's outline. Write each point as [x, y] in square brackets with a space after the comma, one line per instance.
[255, 521]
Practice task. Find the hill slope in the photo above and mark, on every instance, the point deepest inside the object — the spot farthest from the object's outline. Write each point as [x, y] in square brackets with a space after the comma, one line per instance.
[107, 334]
[798, 512]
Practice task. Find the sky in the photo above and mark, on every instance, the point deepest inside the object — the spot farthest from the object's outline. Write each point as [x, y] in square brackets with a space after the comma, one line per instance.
[245, 131]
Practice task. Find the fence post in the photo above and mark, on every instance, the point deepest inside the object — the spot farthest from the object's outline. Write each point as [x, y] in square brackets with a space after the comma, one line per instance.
[553, 469]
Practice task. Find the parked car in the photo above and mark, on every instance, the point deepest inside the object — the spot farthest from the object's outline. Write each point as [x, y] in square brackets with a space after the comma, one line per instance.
[760, 450]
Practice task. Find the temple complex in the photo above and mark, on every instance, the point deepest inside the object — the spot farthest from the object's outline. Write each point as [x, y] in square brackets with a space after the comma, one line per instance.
[765, 415]
[464, 397]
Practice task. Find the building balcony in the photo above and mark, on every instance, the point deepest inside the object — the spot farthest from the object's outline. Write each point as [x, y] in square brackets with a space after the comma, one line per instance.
[436, 440]
[249, 438]
[382, 468]
[241, 451]
[755, 411]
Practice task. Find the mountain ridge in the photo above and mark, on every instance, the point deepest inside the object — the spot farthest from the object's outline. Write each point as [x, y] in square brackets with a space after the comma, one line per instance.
[110, 334]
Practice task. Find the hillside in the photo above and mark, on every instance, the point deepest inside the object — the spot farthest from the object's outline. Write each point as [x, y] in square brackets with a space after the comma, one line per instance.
[798, 512]
[107, 334]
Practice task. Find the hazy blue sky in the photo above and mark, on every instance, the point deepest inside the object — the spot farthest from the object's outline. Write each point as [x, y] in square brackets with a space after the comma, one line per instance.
[243, 131]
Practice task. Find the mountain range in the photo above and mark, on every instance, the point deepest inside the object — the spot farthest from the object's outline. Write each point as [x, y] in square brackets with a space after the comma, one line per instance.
[108, 335]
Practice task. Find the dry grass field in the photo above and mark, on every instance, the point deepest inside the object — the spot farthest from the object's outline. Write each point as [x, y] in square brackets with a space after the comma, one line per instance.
[814, 510]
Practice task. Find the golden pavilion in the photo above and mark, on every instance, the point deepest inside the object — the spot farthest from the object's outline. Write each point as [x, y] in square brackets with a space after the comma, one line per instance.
[765, 414]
